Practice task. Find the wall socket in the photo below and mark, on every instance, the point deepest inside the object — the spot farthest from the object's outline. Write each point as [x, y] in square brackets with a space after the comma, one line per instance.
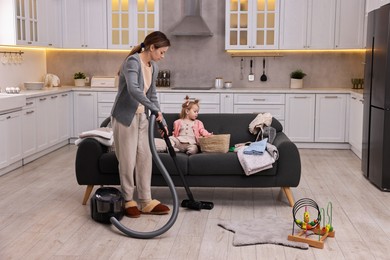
[86, 79]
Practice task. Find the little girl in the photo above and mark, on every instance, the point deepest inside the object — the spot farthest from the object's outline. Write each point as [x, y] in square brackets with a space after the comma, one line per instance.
[188, 129]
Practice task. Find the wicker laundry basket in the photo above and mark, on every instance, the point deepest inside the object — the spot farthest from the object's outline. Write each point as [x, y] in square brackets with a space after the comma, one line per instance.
[215, 143]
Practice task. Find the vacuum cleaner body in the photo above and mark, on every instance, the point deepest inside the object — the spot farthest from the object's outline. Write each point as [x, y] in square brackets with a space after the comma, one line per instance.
[107, 202]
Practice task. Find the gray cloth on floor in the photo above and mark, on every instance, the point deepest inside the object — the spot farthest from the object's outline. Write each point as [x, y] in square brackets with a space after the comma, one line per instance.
[262, 231]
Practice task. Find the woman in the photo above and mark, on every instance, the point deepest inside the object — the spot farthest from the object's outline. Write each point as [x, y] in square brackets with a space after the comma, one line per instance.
[136, 97]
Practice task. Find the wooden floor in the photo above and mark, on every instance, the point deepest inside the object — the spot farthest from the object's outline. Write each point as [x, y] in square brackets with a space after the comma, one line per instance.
[41, 216]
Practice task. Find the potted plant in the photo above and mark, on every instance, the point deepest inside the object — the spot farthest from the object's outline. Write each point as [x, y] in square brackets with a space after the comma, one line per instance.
[297, 78]
[79, 79]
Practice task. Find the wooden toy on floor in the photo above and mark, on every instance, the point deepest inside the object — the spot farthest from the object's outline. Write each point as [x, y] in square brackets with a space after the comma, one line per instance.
[312, 227]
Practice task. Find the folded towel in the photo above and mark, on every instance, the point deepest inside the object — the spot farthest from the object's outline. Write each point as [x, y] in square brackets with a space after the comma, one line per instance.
[254, 163]
[103, 132]
[256, 148]
[103, 141]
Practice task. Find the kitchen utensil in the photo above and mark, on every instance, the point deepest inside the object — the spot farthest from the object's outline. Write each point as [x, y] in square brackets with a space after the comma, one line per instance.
[263, 77]
[242, 68]
[228, 84]
[218, 83]
[251, 76]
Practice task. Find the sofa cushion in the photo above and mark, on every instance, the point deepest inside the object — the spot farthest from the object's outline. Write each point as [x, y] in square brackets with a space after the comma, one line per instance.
[220, 164]
[166, 159]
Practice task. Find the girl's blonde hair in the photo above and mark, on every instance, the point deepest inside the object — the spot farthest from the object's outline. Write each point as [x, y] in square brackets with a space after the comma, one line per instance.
[188, 104]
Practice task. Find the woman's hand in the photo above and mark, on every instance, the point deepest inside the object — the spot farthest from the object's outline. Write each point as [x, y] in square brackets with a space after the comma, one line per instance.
[159, 117]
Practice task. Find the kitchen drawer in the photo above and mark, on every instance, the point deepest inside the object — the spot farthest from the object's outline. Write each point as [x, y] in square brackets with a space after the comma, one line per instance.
[104, 109]
[276, 111]
[259, 98]
[106, 96]
[204, 108]
[178, 98]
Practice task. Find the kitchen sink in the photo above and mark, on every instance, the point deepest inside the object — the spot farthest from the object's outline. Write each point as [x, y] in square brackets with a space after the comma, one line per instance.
[11, 101]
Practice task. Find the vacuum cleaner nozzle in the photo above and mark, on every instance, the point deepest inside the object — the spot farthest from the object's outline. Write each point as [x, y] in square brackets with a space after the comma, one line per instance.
[197, 205]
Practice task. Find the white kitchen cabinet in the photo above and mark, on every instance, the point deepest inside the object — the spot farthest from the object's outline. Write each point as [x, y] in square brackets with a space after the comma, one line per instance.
[22, 21]
[172, 102]
[299, 121]
[349, 24]
[260, 103]
[11, 143]
[84, 24]
[52, 23]
[307, 24]
[129, 21]
[29, 128]
[251, 24]
[42, 108]
[356, 124]
[85, 111]
[330, 118]
[63, 116]
[105, 102]
[53, 125]
[227, 103]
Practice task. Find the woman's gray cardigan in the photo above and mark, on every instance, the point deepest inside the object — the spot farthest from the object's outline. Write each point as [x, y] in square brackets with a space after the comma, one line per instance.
[131, 91]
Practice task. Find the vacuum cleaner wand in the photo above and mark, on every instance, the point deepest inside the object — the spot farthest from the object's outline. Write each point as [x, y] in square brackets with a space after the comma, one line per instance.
[191, 203]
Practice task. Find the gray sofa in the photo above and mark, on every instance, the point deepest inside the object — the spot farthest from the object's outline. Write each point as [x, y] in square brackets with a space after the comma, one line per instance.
[95, 165]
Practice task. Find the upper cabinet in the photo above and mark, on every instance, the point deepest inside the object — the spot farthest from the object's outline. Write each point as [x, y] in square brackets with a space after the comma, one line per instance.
[322, 24]
[84, 24]
[22, 22]
[252, 24]
[349, 32]
[52, 21]
[307, 24]
[129, 21]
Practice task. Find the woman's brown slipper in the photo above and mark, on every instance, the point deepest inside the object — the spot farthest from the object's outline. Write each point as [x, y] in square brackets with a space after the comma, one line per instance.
[155, 208]
[131, 209]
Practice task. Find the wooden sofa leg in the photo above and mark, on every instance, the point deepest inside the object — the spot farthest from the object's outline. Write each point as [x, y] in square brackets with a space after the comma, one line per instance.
[87, 193]
[289, 195]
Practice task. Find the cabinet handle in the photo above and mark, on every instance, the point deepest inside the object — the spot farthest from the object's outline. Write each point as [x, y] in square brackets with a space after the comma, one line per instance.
[29, 112]
[361, 100]
[29, 103]
[300, 97]
[42, 99]
[331, 96]
[85, 94]
[259, 99]
[8, 117]
[53, 97]
[353, 98]
[64, 95]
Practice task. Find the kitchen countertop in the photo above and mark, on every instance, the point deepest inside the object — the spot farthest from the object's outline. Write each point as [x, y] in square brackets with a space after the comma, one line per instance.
[55, 90]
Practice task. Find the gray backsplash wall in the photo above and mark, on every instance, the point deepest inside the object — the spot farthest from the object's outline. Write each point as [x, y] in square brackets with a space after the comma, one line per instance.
[196, 61]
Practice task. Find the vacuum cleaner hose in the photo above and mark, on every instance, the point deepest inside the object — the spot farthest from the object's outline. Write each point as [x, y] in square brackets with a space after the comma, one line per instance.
[175, 210]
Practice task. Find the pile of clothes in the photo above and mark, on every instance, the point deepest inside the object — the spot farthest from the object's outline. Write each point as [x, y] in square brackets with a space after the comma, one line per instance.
[259, 155]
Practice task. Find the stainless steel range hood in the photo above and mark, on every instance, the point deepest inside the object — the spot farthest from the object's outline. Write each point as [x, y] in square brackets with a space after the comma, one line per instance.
[192, 24]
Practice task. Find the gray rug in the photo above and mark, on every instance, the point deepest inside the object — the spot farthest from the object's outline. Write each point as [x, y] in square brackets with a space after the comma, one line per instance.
[262, 231]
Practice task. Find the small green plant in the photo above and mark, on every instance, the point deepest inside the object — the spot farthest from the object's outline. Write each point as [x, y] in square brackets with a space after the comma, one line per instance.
[79, 75]
[297, 74]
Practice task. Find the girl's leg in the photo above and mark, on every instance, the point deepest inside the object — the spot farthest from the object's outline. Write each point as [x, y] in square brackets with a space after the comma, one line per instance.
[192, 149]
